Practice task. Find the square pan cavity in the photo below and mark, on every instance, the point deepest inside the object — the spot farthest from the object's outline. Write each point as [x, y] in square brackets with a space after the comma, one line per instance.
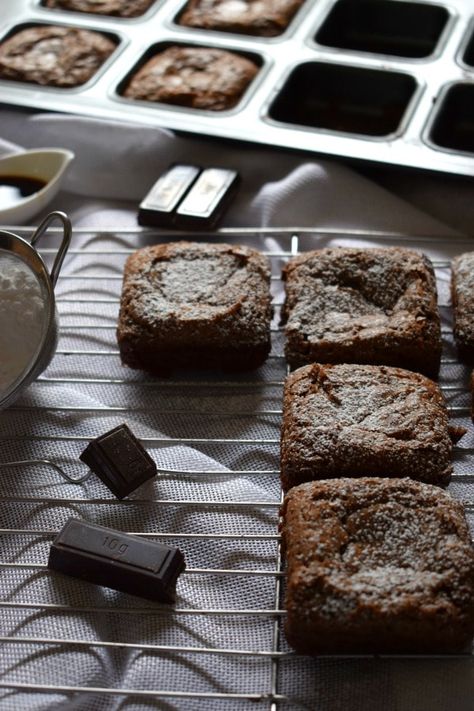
[467, 56]
[453, 125]
[337, 97]
[402, 29]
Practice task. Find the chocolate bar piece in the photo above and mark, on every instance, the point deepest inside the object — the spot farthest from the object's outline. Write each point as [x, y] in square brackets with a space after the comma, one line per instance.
[119, 460]
[157, 208]
[116, 560]
[187, 197]
[207, 200]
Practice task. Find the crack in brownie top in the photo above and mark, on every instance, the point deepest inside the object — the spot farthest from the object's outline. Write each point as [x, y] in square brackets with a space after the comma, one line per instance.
[384, 401]
[351, 290]
[198, 282]
[210, 280]
[374, 305]
[357, 420]
[54, 55]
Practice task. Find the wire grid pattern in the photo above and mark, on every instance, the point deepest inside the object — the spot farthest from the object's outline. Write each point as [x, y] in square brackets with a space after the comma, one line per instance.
[215, 438]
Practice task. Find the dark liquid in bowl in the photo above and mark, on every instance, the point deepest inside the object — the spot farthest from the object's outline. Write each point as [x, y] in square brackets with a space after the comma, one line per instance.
[14, 188]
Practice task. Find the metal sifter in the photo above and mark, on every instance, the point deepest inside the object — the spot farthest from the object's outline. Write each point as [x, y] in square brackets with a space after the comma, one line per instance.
[20, 248]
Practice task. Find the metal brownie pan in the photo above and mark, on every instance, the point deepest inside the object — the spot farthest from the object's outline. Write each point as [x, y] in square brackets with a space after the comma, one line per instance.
[390, 81]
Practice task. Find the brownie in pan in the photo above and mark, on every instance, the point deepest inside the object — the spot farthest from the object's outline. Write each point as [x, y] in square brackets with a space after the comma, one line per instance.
[266, 18]
[196, 77]
[116, 8]
[364, 420]
[462, 294]
[375, 306]
[195, 305]
[54, 55]
[377, 566]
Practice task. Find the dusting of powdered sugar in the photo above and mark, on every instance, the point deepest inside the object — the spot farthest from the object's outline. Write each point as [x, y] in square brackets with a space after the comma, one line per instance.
[353, 420]
[189, 285]
[375, 546]
[463, 266]
[223, 289]
[344, 293]
[22, 318]
[463, 298]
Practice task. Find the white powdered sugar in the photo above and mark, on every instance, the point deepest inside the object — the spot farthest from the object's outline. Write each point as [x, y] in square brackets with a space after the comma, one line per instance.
[22, 318]
[219, 289]
[372, 547]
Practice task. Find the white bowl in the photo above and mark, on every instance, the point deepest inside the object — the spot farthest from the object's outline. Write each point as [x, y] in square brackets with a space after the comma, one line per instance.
[45, 164]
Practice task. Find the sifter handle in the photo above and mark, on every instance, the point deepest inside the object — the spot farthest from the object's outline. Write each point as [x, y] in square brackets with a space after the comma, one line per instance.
[67, 232]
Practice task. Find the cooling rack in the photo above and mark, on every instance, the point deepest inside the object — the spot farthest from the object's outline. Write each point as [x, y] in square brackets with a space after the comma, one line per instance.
[215, 439]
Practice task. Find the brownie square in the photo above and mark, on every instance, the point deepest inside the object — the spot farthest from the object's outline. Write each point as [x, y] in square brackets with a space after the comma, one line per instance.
[116, 8]
[377, 566]
[196, 77]
[362, 306]
[364, 420]
[73, 55]
[265, 18]
[462, 296]
[195, 305]
[471, 388]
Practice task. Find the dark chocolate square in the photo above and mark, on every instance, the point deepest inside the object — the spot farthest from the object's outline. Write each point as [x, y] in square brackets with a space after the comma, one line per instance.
[119, 460]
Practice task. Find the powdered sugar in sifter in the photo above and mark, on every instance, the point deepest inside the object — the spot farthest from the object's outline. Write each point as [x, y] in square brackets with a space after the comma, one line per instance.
[28, 315]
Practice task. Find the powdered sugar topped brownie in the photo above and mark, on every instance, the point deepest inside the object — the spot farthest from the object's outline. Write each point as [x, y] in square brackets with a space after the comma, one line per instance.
[462, 292]
[266, 18]
[200, 305]
[117, 8]
[54, 56]
[197, 77]
[377, 565]
[364, 420]
[471, 387]
[349, 305]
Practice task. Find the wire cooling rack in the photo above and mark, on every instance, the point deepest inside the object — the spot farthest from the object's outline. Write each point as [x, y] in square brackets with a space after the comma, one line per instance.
[217, 496]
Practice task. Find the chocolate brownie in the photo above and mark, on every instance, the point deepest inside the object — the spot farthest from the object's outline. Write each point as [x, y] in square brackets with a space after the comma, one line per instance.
[377, 566]
[198, 77]
[54, 56]
[471, 383]
[462, 294]
[195, 305]
[266, 18]
[364, 420]
[117, 8]
[362, 306]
